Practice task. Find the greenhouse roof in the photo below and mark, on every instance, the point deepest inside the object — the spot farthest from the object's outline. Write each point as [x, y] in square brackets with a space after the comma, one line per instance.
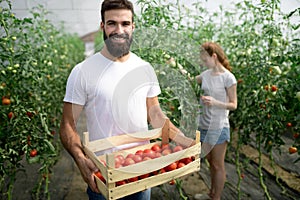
[83, 17]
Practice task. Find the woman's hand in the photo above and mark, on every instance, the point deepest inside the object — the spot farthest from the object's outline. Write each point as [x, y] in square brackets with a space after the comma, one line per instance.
[208, 100]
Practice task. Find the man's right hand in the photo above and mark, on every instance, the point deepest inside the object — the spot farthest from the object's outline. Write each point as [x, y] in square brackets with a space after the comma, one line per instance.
[87, 169]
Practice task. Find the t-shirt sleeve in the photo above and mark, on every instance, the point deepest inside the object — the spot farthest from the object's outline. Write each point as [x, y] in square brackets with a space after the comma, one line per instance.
[154, 90]
[231, 80]
[75, 89]
[151, 81]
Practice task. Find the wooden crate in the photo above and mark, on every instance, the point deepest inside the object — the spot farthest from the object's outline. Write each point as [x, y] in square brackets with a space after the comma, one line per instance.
[113, 175]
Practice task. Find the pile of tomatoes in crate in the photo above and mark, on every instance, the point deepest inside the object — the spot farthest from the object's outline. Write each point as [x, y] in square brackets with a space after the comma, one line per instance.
[155, 151]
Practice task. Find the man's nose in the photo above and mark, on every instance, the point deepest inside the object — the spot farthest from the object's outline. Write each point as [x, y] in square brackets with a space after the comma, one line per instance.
[119, 29]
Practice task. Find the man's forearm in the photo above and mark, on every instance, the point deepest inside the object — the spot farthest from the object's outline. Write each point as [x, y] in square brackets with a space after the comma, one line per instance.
[71, 142]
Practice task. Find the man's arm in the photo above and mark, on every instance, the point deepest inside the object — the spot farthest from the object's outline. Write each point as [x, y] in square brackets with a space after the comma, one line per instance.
[157, 118]
[72, 143]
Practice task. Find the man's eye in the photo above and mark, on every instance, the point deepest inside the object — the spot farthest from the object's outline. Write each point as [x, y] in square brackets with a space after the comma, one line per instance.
[126, 24]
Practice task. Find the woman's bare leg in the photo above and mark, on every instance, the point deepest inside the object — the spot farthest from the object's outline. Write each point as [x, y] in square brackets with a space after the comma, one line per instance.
[216, 159]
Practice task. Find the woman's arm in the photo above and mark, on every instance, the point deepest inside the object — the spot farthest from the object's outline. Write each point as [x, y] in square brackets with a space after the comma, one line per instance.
[230, 105]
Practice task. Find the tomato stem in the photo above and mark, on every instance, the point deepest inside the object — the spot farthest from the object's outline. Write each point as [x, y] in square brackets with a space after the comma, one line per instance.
[237, 164]
[260, 171]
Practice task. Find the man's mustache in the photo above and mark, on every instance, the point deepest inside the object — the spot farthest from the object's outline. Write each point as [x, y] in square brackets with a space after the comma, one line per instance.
[122, 36]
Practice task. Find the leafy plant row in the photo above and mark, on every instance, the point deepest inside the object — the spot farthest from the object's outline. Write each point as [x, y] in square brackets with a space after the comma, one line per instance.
[35, 61]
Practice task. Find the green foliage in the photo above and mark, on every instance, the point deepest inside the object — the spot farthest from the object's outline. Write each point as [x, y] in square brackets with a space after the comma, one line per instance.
[35, 61]
[262, 46]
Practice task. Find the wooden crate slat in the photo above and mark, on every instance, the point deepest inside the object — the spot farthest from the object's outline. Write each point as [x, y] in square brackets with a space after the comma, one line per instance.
[111, 142]
[102, 187]
[153, 181]
[95, 159]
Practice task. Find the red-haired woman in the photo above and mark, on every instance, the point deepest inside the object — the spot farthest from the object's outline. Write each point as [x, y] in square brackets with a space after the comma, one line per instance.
[219, 96]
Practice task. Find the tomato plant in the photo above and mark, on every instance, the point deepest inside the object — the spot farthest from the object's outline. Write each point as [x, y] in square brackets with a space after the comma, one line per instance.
[35, 61]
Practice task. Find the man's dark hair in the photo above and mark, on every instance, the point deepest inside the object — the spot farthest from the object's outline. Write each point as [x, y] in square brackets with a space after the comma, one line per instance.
[116, 4]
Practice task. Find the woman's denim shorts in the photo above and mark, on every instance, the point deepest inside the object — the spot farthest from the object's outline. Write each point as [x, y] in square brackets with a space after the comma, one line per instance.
[215, 136]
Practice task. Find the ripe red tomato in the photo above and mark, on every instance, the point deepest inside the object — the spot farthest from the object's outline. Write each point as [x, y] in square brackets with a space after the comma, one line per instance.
[146, 158]
[180, 164]
[29, 114]
[171, 167]
[156, 148]
[99, 175]
[274, 88]
[187, 160]
[118, 165]
[5, 101]
[166, 152]
[157, 154]
[139, 152]
[149, 153]
[172, 182]
[10, 115]
[155, 172]
[177, 148]
[33, 153]
[144, 176]
[118, 161]
[133, 179]
[292, 150]
[130, 155]
[128, 161]
[118, 183]
[289, 124]
[137, 158]
[296, 135]
[161, 171]
[165, 146]
[120, 158]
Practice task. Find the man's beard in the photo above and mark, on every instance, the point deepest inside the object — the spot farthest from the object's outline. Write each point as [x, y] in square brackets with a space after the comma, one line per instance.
[117, 49]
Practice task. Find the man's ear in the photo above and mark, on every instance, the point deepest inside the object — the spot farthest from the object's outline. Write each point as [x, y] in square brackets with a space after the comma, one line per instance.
[102, 26]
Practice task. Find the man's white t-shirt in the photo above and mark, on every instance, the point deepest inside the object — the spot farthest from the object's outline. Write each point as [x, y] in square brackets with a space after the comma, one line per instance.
[113, 94]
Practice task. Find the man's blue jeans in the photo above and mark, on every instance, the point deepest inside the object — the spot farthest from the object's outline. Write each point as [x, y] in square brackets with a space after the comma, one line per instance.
[144, 195]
